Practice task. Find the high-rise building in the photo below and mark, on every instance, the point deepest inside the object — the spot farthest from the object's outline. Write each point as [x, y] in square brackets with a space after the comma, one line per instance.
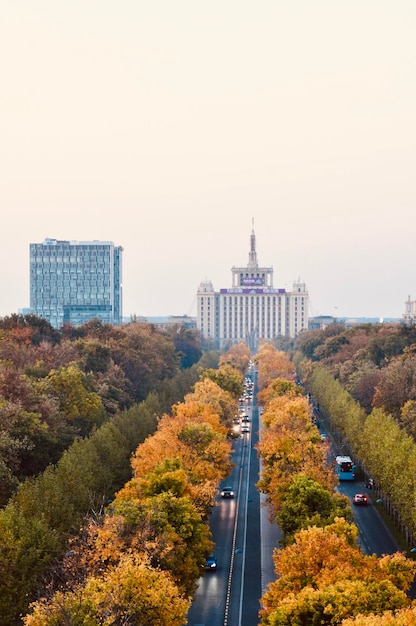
[76, 281]
[251, 309]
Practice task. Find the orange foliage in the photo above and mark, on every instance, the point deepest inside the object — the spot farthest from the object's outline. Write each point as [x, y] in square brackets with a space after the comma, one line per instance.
[271, 364]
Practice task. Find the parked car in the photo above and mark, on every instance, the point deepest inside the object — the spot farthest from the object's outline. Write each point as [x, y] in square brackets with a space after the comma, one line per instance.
[227, 492]
[360, 498]
[210, 563]
[245, 429]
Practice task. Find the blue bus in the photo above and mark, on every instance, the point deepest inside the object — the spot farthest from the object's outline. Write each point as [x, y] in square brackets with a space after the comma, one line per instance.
[344, 468]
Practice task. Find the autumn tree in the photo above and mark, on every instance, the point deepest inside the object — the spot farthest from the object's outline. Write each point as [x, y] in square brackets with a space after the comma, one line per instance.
[272, 364]
[322, 572]
[402, 617]
[279, 387]
[226, 377]
[223, 402]
[237, 357]
[397, 385]
[146, 355]
[132, 592]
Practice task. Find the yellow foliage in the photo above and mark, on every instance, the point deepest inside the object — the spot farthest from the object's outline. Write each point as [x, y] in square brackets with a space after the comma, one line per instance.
[404, 617]
[272, 364]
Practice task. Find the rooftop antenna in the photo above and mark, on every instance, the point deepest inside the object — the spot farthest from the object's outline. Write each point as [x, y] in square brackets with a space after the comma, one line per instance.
[252, 259]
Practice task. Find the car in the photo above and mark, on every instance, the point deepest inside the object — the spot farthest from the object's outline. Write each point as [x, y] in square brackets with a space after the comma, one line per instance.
[360, 498]
[211, 563]
[234, 432]
[227, 492]
[245, 419]
[245, 429]
[324, 436]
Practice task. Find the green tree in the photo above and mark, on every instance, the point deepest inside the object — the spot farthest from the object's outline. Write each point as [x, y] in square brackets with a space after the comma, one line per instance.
[307, 503]
[226, 377]
[77, 401]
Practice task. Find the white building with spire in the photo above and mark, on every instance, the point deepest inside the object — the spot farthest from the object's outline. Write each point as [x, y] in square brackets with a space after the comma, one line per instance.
[251, 309]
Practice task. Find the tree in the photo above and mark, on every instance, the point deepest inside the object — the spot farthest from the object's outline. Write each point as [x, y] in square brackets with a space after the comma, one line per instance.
[96, 357]
[187, 342]
[131, 593]
[146, 355]
[222, 402]
[272, 364]
[77, 401]
[279, 387]
[336, 602]
[408, 417]
[237, 357]
[226, 377]
[403, 617]
[322, 572]
[397, 385]
[307, 503]
[39, 328]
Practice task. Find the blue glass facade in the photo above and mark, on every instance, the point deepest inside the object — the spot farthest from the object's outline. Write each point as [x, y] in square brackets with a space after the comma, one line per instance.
[75, 281]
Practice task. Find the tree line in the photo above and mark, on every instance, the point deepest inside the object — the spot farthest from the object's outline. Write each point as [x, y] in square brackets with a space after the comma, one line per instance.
[53, 386]
[364, 379]
[57, 386]
[137, 558]
[322, 577]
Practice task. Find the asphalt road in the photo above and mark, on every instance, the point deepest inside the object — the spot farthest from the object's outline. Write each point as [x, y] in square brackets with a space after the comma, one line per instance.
[244, 541]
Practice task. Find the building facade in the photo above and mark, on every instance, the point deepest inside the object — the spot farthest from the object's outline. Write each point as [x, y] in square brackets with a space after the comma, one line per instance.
[76, 281]
[409, 315]
[251, 309]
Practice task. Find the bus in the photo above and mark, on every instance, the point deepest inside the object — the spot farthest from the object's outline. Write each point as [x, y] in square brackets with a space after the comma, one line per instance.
[344, 468]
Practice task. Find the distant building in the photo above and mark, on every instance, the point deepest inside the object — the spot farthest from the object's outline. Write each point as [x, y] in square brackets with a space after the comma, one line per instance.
[320, 322]
[168, 321]
[409, 315]
[182, 320]
[76, 281]
[251, 309]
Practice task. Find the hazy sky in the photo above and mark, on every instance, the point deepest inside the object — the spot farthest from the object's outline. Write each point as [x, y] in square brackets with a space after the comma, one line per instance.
[167, 125]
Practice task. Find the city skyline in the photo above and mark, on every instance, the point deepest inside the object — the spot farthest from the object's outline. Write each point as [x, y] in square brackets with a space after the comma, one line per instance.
[166, 127]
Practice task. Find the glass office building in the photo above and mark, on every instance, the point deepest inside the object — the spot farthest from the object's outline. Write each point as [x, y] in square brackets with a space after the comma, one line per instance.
[76, 281]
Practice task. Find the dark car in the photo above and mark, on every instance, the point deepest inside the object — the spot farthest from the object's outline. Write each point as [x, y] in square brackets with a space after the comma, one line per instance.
[211, 563]
[360, 498]
[227, 492]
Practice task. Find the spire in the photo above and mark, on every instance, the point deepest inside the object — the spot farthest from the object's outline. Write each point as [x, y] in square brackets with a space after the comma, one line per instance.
[252, 257]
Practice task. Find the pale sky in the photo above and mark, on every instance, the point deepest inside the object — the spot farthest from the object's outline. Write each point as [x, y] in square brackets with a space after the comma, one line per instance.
[167, 125]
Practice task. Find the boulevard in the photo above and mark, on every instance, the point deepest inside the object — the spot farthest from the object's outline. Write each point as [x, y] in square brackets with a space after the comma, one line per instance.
[245, 539]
